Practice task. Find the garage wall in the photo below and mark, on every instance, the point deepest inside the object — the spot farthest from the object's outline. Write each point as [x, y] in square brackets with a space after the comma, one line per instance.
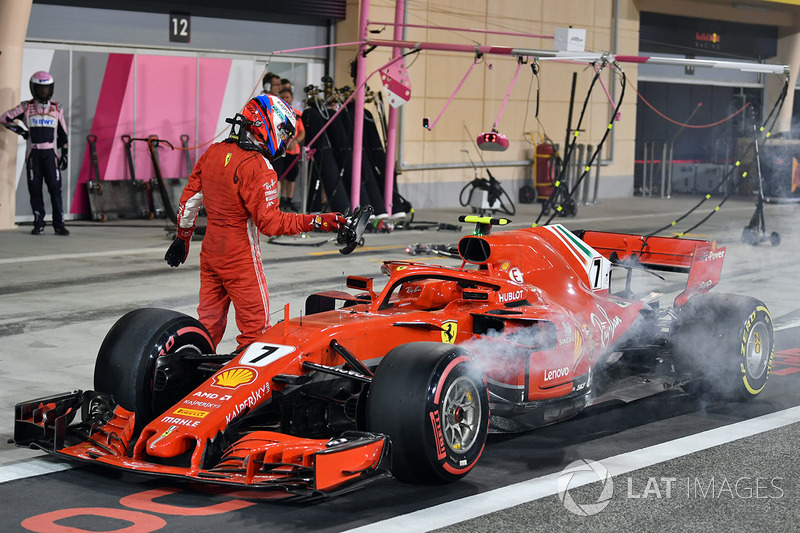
[435, 75]
[141, 93]
[127, 28]
[113, 79]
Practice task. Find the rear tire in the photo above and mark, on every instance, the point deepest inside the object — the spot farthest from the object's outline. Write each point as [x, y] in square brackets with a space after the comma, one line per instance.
[432, 401]
[137, 347]
[726, 341]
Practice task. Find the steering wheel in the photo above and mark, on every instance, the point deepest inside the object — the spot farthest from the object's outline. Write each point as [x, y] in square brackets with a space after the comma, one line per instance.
[351, 232]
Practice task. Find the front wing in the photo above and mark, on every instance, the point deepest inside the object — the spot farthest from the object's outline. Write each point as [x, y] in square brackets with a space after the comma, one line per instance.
[300, 467]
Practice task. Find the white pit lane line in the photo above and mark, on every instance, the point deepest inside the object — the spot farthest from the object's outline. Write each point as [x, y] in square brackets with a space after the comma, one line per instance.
[33, 467]
[81, 255]
[471, 507]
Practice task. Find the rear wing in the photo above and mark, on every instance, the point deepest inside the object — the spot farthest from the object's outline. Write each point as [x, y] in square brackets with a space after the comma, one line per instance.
[702, 260]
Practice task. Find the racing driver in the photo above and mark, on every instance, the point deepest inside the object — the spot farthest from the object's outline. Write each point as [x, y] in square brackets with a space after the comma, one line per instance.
[237, 184]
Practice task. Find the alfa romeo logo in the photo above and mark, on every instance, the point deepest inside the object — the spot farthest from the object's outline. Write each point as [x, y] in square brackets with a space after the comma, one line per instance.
[581, 469]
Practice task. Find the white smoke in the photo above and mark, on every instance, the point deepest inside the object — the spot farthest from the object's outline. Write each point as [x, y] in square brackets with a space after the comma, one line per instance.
[504, 354]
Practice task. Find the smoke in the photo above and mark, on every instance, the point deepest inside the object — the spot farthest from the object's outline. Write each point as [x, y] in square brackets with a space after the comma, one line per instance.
[502, 355]
[761, 270]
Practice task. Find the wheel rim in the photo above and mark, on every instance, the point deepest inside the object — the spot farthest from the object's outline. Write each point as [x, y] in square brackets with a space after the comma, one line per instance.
[462, 415]
[756, 355]
[163, 398]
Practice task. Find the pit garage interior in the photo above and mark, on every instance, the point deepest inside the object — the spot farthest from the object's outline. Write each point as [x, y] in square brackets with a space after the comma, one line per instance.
[682, 122]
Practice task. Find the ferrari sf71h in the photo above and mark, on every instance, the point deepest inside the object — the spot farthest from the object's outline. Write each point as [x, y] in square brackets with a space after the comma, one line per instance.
[408, 380]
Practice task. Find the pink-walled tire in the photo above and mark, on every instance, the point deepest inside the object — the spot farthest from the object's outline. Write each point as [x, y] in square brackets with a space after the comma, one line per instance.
[431, 399]
[140, 363]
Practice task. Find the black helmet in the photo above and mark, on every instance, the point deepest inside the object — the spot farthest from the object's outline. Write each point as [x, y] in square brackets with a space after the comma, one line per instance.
[41, 85]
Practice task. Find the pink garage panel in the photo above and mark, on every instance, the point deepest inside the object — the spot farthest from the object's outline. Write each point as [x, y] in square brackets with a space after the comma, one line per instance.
[166, 105]
[214, 74]
[113, 116]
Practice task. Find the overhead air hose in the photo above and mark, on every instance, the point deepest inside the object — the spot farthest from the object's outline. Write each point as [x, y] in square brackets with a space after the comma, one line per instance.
[772, 116]
[561, 188]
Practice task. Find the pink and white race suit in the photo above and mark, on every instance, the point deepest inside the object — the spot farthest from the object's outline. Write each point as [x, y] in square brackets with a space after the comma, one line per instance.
[47, 134]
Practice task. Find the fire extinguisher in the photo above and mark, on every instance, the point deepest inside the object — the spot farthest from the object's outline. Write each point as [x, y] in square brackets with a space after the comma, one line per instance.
[545, 169]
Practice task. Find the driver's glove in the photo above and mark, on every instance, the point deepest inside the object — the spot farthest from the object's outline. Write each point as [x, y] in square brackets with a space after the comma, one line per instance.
[179, 249]
[328, 221]
[19, 130]
[62, 161]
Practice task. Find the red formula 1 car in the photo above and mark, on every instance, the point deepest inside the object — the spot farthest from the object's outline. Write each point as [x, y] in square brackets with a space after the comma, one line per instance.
[408, 380]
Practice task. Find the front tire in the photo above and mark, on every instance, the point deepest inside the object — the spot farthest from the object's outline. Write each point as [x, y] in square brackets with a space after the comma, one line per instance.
[726, 341]
[432, 401]
[140, 363]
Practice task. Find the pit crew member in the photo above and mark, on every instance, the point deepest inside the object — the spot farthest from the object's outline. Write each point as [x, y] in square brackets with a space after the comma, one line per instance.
[286, 170]
[46, 134]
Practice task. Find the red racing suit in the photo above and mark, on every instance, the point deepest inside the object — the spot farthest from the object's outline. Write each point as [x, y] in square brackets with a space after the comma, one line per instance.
[239, 191]
[47, 134]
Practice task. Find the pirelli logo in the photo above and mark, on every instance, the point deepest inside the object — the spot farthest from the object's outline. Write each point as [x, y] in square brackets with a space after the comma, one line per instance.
[194, 413]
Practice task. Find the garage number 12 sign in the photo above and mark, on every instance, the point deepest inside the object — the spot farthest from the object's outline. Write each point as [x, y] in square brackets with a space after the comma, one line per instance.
[180, 26]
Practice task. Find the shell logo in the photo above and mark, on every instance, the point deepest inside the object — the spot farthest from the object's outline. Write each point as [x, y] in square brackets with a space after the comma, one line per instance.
[230, 379]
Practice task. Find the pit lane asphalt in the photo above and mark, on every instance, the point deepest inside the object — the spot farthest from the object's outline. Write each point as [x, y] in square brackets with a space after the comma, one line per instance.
[61, 295]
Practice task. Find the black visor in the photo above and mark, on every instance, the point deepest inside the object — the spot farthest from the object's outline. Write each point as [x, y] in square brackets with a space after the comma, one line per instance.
[42, 93]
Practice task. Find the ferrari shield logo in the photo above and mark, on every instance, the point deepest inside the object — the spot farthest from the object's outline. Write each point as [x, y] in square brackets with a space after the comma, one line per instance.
[228, 159]
[449, 330]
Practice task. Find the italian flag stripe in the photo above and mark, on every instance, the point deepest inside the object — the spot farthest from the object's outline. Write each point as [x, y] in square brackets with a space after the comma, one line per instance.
[574, 240]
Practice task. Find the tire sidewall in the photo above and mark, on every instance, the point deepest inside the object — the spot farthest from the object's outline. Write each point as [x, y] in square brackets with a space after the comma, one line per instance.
[402, 403]
[711, 340]
[749, 385]
[452, 464]
[126, 362]
[176, 334]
